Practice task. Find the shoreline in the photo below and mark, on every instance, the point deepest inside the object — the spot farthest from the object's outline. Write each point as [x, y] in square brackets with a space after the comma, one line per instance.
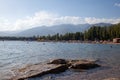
[78, 41]
[70, 41]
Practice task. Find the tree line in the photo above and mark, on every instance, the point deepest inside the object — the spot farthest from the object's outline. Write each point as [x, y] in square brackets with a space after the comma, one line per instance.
[103, 33]
[18, 38]
[93, 33]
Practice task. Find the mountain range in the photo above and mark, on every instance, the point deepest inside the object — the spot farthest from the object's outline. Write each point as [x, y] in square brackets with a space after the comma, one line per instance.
[44, 30]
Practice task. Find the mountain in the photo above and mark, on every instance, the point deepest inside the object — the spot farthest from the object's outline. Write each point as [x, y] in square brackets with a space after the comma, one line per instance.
[8, 33]
[102, 24]
[44, 30]
[62, 29]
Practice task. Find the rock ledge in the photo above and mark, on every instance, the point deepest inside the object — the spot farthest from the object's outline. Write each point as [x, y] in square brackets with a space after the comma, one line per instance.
[53, 66]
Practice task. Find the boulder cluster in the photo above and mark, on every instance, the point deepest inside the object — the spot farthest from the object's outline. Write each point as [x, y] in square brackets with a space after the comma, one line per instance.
[76, 64]
[53, 66]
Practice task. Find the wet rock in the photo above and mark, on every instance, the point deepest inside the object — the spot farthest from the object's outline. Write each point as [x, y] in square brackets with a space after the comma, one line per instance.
[58, 61]
[59, 69]
[37, 70]
[54, 66]
[83, 64]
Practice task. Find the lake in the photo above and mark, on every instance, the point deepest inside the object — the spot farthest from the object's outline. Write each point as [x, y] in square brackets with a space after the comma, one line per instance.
[20, 53]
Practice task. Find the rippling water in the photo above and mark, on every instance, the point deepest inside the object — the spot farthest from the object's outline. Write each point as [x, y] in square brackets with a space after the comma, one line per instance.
[19, 53]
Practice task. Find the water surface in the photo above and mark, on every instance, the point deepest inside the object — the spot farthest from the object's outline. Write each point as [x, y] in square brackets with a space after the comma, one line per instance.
[19, 53]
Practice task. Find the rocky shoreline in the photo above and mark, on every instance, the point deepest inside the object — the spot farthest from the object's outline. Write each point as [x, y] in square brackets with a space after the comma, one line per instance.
[53, 66]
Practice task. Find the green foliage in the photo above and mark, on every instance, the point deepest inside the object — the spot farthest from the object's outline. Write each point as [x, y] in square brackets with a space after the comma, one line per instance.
[103, 33]
[94, 33]
[67, 36]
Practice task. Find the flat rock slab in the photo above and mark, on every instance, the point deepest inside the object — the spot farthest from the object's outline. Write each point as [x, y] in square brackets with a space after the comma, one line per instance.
[55, 66]
[36, 70]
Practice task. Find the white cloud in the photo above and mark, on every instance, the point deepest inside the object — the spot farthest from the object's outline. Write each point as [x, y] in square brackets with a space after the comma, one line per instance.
[4, 24]
[117, 4]
[44, 18]
[93, 20]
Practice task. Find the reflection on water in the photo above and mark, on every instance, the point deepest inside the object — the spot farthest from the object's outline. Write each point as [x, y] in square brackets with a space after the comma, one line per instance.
[19, 53]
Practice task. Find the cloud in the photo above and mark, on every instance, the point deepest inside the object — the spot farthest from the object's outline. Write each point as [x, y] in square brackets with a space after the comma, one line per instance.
[5, 24]
[44, 18]
[117, 4]
[93, 20]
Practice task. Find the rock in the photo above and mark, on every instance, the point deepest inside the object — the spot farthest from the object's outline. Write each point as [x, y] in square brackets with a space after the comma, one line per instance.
[55, 66]
[112, 79]
[83, 64]
[58, 61]
[37, 70]
[59, 69]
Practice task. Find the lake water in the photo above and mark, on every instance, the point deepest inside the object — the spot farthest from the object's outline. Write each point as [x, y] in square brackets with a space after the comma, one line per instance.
[20, 53]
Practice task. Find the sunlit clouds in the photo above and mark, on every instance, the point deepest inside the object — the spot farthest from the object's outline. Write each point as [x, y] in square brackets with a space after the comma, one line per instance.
[44, 18]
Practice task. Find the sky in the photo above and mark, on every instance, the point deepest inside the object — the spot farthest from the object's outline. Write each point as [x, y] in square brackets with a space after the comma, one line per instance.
[25, 14]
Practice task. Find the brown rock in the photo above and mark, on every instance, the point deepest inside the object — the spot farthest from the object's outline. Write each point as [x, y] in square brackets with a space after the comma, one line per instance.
[55, 66]
[112, 79]
[58, 61]
[83, 64]
[59, 69]
[37, 70]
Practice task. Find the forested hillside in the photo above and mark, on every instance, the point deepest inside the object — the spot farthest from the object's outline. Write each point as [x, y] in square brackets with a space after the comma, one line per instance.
[94, 33]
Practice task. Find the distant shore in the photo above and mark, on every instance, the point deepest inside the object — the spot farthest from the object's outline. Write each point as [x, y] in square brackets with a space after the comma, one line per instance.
[78, 41]
[69, 41]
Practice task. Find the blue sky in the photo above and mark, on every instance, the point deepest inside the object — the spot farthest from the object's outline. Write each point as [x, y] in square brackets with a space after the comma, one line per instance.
[24, 14]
